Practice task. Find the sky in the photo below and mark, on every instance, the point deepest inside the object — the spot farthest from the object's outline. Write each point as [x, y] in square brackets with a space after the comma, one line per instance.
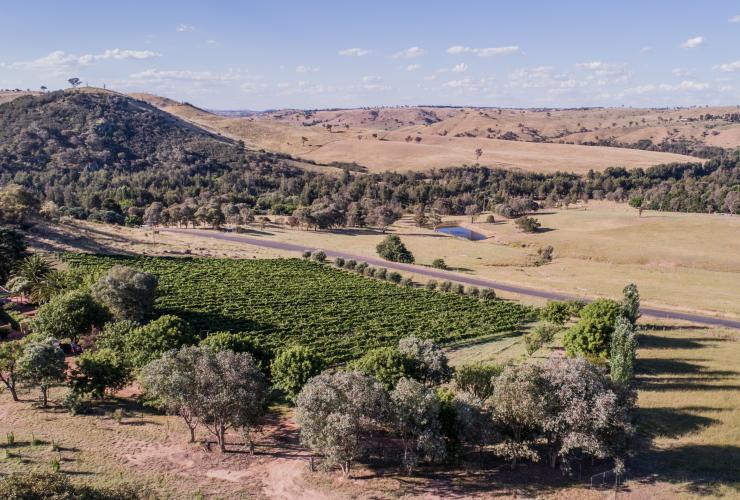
[323, 54]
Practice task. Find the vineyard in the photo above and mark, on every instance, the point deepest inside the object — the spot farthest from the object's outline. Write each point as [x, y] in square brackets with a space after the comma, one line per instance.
[289, 301]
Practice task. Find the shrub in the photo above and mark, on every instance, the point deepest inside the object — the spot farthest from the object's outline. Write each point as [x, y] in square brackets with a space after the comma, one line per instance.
[370, 271]
[473, 291]
[488, 294]
[393, 249]
[361, 267]
[556, 312]
[490, 219]
[126, 292]
[545, 254]
[100, 372]
[445, 286]
[114, 335]
[527, 224]
[386, 364]
[319, 256]
[148, 342]
[407, 282]
[339, 262]
[350, 264]
[459, 289]
[293, 367]
[381, 273]
[431, 285]
[394, 277]
[307, 254]
[477, 379]
[240, 342]
[69, 315]
[591, 336]
[56, 486]
[439, 264]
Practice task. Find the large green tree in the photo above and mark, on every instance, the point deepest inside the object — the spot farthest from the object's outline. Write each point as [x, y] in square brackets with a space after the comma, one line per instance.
[148, 342]
[393, 249]
[69, 315]
[42, 365]
[293, 367]
[129, 294]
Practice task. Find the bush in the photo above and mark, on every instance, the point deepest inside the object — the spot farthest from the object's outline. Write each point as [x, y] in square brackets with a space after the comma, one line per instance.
[488, 294]
[473, 291]
[591, 336]
[69, 315]
[240, 342]
[293, 367]
[147, 343]
[114, 336]
[307, 254]
[381, 273]
[350, 264]
[126, 292]
[431, 285]
[459, 289]
[370, 272]
[319, 256]
[445, 286]
[360, 268]
[407, 282]
[556, 312]
[339, 262]
[386, 364]
[55, 486]
[439, 264]
[394, 277]
[393, 249]
[100, 372]
[527, 224]
[490, 219]
[477, 379]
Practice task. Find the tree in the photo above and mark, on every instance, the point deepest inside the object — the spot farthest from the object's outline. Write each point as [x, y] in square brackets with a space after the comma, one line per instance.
[637, 202]
[16, 202]
[10, 352]
[100, 372]
[12, 251]
[30, 276]
[153, 214]
[129, 294]
[150, 341]
[592, 334]
[439, 264]
[473, 211]
[414, 411]
[69, 315]
[631, 303]
[583, 413]
[386, 364]
[556, 312]
[527, 224]
[393, 249]
[622, 352]
[420, 217]
[42, 364]
[478, 153]
[518, 403]
[383, 216]
[169, 382]
[232, 392]
[430, 364]
[335, 411]
[75, 82]
[293, 367]
[477, 379]
[240, 342]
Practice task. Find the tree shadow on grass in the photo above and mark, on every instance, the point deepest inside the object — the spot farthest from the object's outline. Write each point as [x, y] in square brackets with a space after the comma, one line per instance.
[653, 367]
[657, 342]
[652, 327]
[672, 422]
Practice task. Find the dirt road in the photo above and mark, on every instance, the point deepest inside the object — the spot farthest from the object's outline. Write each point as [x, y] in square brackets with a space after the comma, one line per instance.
[449, 275]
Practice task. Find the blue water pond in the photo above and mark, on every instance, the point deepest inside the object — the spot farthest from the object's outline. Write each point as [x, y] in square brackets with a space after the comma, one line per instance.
[461, 232]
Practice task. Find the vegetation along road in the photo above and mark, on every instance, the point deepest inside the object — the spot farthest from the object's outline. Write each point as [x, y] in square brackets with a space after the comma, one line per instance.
[447, 275]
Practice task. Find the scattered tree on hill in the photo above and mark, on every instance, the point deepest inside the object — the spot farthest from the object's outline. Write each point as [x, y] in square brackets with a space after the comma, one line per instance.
[293, 367]
[69, 315]
[129, 294]
[75, 82]
[42, 364]
[10, 353]
[414, 411]
[335, 412]
[393, 249]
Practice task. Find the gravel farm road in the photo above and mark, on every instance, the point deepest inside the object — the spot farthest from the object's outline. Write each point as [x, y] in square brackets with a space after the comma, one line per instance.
[448, 275]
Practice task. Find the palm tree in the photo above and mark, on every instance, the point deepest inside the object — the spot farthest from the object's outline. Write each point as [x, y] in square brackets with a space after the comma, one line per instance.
[35, 278]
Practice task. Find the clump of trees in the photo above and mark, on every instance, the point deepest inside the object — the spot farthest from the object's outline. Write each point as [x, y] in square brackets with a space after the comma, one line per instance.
[293, 367]
[393, 249]
[127, 293]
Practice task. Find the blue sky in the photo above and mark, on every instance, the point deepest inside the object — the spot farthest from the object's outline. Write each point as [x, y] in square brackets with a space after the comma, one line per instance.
[277, 54]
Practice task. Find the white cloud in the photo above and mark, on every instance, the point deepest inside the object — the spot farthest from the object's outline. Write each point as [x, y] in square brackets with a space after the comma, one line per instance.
[689, 85]
[413, 67]
[734, 19]
[371, 79]
[604, 73]
[186, 75]
[645, 49]
[184, 28]
[680, 72]
[59, 61]
[355, 52]
[729, 67]
[459, 68]
[692, 43]
[410, 53]
[252, 87]
[306, 69]
[484, 52]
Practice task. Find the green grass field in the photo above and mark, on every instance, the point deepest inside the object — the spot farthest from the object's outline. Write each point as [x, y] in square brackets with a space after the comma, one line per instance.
[291, 301]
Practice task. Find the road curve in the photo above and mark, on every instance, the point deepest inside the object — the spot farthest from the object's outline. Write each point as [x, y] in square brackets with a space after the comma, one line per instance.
[448, 275]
